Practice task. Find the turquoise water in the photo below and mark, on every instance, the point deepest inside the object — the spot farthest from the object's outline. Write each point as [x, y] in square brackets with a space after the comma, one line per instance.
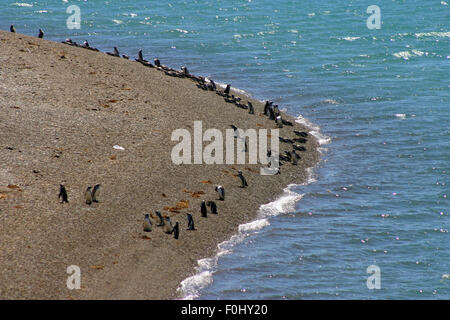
[381, 96]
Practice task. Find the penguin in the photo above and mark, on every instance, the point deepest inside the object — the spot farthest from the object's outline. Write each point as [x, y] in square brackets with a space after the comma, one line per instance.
[271, 113]
[287, 123]
[140, 56]
[88, 195]
[115, 53]
[190, 222]
[86, 44]
[95, 192]
[243, 181]
[41, 34]
[176, 230]
[221, 191]
[203, 209]
[157, 62]
[12, 28]
[167, 228]
[276, 112]
[125, 56]
[267, 107]
[68, 41]
[250, 108]
[279, 122]
[184, 70]
[62, 193]
[147, 223]
[212, 205]
[299, 148]
[294, 157]
[301, 133]
[161, 220]
[227, 90]
[300, 140]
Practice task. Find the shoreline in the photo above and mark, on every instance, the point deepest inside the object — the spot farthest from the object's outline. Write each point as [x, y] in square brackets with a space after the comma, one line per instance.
[61, 128]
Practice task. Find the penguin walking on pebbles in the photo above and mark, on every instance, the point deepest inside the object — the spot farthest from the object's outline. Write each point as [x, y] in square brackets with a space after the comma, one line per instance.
[221, 191]
[62, 193]
[176, 230]
[168, 228]
[147, 223]
[212, 206]
[243, 181]
[161, 220]
[41, 34]
[95, 192]
[251, 110]
[12, 28]
[203, 210]
[88, 195]
[190, 222]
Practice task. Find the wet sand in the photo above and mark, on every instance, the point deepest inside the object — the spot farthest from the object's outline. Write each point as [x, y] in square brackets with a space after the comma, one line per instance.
[62, 109]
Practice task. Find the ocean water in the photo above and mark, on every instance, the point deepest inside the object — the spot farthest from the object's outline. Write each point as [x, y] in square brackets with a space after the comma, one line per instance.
[378, 99]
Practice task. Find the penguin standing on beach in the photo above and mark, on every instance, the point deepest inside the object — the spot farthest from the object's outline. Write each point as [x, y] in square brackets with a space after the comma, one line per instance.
[221, 191]
[95, 192]
[147, 223]
[168, 226]
[227, 89]
[12, 28]
[203, 210]
[176, 230]
[161, 220]
[251, 110]
[243, 181]
[212, 205]
[62, 193]
[88, 195]
[41, 34]
[190, 222]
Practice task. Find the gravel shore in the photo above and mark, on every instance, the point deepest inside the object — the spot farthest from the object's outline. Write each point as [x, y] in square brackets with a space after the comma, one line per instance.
[62, 109]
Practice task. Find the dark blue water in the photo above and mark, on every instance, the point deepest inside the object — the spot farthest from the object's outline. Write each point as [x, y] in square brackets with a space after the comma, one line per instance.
[381, 96]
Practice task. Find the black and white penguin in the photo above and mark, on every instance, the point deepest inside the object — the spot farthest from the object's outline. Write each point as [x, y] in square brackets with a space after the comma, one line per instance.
[212, 205]
[95, 192]
[243, 181]
[161, 220]
[88, 195]
[176, 230]
[41, 34]
[251, 110]
[147, 223]
[12, 28]
[221, 191]
[190, 222]
[63, 193]
[301, 133]
[168, 228]
[203, 210]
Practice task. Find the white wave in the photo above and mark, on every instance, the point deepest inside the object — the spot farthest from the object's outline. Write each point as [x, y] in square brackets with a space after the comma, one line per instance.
[403, 54]
[190, 288]
[254, 225]
[400, 115]
[350, 38]
[116, 21]
[443, 34]
[22, 4]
